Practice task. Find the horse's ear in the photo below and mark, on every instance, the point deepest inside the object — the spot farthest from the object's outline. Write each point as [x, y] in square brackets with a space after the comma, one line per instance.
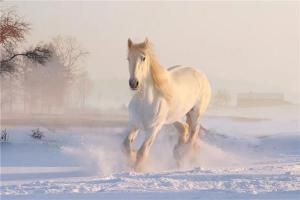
[129, 43]
[146, 42]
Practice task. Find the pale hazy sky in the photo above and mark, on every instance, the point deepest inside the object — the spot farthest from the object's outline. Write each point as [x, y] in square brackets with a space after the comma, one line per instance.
[241, 46]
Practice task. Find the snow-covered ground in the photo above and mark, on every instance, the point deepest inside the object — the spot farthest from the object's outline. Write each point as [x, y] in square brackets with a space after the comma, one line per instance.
[239, 158]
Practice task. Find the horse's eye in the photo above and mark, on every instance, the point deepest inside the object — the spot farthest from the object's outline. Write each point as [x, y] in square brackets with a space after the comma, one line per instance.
[143, 58]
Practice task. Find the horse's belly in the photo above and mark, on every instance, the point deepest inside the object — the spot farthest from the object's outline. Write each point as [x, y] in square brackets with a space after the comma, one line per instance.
[178, 113]
[185, 98]
[175, 116]
[181, 108]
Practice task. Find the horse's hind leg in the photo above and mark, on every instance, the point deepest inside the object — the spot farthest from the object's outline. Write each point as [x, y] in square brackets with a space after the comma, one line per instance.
[183, 129]
[196, 113]
[194, 128]
[195, 116]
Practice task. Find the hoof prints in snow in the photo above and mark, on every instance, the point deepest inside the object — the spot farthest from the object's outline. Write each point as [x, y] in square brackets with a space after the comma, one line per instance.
[195, 180]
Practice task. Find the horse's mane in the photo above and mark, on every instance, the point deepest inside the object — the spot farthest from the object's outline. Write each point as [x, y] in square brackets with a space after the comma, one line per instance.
[159, 74]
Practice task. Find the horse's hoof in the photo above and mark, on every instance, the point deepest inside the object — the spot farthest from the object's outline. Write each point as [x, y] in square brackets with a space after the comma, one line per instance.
[179, 152]
[140, 164]
[182, 150]
[195, 146]
[133, 156]
[139, 168]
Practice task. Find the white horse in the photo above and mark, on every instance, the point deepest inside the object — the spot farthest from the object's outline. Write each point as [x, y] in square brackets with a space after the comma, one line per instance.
[162, 97]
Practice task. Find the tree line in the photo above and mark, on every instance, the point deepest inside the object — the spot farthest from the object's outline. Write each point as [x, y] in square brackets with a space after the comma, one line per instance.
[48, 77]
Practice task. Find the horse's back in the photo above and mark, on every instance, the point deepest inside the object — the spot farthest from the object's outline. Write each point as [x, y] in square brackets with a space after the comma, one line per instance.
[182, 69]
[182, 73]
[175, 67]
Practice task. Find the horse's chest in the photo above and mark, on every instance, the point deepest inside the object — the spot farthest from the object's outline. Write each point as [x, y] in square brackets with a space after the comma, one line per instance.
[145, 114]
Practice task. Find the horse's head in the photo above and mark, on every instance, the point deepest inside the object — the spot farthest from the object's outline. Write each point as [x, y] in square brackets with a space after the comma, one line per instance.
[139, 63]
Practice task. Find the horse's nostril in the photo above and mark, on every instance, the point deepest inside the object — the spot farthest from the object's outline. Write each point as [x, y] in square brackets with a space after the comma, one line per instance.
[133, 83]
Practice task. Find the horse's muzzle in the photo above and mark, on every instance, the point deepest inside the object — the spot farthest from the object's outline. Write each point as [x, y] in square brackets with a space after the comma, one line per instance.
[133, 83]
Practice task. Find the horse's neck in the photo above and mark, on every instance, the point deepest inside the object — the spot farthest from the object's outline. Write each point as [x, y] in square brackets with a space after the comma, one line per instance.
[148, 91]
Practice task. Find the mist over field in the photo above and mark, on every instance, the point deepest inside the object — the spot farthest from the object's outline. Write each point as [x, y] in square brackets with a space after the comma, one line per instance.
[241, 46]
[65, 94]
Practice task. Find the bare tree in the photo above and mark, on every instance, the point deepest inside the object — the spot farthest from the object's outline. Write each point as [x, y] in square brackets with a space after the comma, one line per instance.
[83, 86]
[48, 88]
[71, 54]
[9, 89]
[44, 87]
[23, 72]
[13, 30]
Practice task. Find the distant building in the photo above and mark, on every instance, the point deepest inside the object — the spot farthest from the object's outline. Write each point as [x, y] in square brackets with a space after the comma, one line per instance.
[260, 99]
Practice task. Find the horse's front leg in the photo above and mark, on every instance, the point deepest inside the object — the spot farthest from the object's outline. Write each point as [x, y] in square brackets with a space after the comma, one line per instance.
[127, 145]
[143, 152]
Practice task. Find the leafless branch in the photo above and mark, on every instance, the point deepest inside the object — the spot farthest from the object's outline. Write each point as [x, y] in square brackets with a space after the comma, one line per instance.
[38, 54]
